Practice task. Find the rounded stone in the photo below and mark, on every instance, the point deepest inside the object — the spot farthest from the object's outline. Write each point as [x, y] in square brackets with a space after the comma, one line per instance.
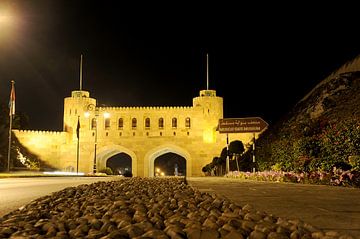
[257, 235]
[154, 233]
[209, 234]
[276, 235]
[234, 235]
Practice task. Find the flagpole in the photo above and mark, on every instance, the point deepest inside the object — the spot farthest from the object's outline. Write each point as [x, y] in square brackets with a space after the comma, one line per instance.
[81, 63]
[11, 113]
[207, 71]
[9, 149]
[78, 145]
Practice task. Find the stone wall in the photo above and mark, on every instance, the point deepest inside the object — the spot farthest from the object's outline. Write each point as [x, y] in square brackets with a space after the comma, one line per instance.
[47, 145]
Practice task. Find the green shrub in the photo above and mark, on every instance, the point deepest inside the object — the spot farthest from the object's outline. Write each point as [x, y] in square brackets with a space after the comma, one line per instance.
[107, 170]
[311, 146]
[276, 167]
[354, 161]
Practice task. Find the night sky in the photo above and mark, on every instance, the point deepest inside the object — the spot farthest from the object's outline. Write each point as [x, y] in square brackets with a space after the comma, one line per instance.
[263, 59]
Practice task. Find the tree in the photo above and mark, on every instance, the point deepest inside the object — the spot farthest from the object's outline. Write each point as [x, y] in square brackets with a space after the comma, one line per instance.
[236, 148]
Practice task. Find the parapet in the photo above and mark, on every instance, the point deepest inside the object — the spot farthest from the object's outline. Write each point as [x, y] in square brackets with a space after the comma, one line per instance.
[145, 108]
[207, 93]
[40, 132]
[80, 93]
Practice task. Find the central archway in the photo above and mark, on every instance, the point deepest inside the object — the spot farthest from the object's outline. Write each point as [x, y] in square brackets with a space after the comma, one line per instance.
[120, 164]
[107, 152]
[170, 164]
[153, 154]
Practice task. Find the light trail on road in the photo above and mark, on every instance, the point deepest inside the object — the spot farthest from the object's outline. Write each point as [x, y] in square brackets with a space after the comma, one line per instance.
[17, 192]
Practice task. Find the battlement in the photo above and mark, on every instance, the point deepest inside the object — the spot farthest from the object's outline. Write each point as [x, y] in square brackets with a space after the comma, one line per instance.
[208, 93]
[80, 94]
[145, 108]
[39, 132]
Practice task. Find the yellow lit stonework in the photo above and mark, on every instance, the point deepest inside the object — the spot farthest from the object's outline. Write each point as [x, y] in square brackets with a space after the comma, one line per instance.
[144, 133]
[209, 136]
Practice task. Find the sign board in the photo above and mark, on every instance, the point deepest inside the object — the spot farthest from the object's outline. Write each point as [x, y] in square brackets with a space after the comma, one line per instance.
[242, 125]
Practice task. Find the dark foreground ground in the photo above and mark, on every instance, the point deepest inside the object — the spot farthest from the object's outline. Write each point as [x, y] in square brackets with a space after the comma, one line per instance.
[326, 207]
[151, 208]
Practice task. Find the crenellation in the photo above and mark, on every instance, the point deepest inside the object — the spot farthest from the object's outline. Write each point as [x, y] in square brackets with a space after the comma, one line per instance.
[44, 132]
[145, 108]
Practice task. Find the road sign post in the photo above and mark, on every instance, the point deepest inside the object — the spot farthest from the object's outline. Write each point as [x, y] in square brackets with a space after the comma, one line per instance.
[241, 125]
[227, 154]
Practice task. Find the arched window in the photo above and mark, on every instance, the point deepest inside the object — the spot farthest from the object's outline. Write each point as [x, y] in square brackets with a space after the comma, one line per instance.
[93, 123]
[133, 123]
[174, 122]
[121, 123]
[161, 123]
[187, 122]
[107, 123]
[147, 123]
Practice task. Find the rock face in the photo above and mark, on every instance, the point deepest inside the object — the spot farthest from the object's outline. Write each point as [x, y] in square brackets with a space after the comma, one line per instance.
[336, 98]
[333, 104]
[146, 208]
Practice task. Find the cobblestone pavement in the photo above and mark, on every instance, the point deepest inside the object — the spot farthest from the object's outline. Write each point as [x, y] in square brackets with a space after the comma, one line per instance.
[326, 207]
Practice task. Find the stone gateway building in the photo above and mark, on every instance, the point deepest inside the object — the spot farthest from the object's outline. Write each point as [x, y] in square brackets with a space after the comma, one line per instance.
[143, 134]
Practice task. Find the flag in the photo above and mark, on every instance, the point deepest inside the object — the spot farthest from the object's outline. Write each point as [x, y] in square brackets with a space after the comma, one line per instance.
[12, 100]
[78, 129]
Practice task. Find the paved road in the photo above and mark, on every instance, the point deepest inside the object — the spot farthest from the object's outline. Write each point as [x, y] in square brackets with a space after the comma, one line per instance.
[326, 207]
[16, 192]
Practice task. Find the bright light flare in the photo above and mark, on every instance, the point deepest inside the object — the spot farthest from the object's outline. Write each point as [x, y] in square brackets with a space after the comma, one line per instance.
[7, 16]
[87, 114]
[9, 24]
[5, 20]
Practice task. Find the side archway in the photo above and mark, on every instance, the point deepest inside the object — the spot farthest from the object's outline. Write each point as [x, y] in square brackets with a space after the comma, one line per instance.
[154, 153]
[109, 151]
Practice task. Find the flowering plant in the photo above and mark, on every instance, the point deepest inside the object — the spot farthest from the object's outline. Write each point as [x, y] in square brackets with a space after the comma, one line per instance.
[337, 177]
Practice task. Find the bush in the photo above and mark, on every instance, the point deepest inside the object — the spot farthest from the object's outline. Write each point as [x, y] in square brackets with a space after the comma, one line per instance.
[311, 146]
[354, 161]
[107, 170]
[337, 177]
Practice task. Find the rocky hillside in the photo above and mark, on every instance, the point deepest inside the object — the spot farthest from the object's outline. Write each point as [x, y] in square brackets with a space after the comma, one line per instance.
[335, 99]
[322, 130]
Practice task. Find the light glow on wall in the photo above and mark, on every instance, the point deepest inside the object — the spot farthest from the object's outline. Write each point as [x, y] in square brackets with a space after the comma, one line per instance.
[208, 136]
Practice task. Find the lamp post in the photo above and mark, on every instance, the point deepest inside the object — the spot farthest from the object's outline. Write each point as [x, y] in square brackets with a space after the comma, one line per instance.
[106, 115]
[92, 107]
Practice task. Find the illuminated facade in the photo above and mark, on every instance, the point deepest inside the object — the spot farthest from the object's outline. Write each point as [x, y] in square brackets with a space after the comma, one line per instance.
[143, 133]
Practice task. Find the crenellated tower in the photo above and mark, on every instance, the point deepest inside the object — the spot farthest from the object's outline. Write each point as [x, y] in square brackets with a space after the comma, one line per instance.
[211, 110]
[74, 108]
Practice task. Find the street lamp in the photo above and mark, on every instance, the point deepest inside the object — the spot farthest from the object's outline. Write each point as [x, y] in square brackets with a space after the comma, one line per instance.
[92, 107]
